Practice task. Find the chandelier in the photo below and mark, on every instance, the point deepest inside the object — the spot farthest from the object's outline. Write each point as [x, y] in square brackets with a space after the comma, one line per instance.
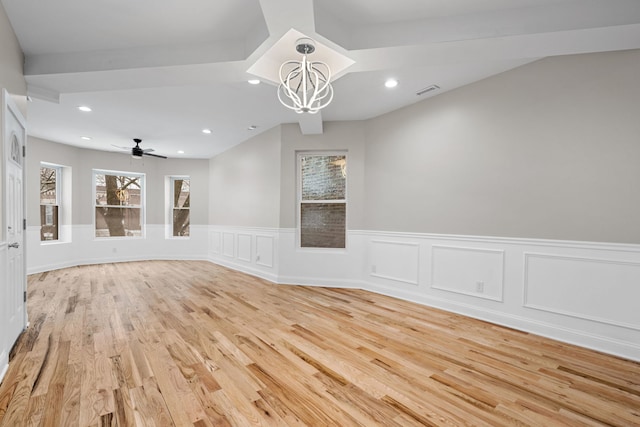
[304, 85]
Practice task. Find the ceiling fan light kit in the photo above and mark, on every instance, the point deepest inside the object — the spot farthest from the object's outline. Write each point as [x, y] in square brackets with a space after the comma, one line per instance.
[305, 85]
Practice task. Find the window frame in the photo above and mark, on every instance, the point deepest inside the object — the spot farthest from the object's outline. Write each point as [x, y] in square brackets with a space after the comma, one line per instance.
[58, 201]
[300, 201]
[170, 205]
[142, 206]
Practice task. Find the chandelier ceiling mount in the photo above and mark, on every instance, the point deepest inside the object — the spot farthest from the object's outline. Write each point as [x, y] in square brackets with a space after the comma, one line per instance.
[305, 85]
[305, 46]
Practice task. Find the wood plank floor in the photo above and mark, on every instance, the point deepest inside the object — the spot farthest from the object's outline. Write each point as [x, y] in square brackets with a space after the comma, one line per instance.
[166, 343]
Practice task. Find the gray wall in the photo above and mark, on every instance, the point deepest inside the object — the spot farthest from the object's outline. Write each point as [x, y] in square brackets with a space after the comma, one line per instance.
[245, 183]
[11, 65]
[82, 162]
[11, 79]
[254, 183]
[549, 150]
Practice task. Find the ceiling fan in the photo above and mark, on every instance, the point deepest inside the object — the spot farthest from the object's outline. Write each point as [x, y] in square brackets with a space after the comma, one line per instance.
[137, 152]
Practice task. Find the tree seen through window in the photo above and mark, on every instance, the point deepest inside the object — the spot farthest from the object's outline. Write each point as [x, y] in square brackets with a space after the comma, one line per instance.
[118, 205]
[181, 206]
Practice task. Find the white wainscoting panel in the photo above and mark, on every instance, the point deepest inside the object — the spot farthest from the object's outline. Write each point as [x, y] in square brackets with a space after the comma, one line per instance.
[340, 268]
[601, 290]
[477, 272]
[247, 249]
[264, 250]
[215, 239]
[605, 275]
[397, 261]
[228, 248]
[578, 292]
[244, 247]
[83, 248]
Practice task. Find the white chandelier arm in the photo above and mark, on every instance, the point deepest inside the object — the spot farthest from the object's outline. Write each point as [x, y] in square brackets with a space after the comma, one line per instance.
[306, 86]
[304, 66]
[285, 87]
[322, 87]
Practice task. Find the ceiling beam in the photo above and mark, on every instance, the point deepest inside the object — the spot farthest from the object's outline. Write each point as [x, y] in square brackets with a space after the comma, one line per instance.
[280, 15]
[310, 124]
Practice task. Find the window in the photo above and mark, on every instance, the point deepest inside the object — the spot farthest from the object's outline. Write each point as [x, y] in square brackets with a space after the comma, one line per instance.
[50, 177]
[180, 204]
[16, 150]
[119, 201]
[322, 197]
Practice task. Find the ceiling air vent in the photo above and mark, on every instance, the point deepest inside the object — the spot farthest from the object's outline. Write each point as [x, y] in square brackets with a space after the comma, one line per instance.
[427, 89]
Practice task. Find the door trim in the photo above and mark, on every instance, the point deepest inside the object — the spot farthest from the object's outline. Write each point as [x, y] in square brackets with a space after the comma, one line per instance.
[10, 108]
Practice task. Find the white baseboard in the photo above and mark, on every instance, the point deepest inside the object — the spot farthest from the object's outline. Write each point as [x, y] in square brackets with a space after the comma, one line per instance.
[318, 281]
[4, 367]
[244, 268]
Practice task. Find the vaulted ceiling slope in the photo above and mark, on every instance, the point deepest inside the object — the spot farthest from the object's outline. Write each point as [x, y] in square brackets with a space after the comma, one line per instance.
[163, 71]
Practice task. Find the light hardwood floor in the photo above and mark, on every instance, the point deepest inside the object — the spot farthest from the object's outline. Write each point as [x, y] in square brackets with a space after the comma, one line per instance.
[194, 344]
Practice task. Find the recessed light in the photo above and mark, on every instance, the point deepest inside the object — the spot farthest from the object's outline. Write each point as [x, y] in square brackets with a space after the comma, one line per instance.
[391, 83]
[254, 81]
[207, 131]
[84, 108]
[252, 127]
[180, 152]
[86, 138]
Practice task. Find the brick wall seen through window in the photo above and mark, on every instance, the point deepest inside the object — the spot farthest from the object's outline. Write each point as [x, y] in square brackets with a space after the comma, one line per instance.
[322, 200]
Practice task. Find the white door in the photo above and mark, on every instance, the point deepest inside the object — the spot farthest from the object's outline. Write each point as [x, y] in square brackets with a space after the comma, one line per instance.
[15, 284]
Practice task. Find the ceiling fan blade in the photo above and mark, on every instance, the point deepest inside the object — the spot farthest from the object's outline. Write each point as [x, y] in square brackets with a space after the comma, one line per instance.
[154, 155]
[148, 150]
[122, 148]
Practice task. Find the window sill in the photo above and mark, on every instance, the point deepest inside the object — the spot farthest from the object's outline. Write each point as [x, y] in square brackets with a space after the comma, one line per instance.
[53, 242]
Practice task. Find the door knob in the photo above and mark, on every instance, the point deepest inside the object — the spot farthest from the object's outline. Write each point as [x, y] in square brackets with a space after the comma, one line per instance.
[14, 245]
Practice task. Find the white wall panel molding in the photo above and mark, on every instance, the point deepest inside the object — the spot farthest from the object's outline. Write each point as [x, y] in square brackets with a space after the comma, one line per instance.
[397, 261]
[329, 267]
[563, 244]
[215, 242]
[244, 247]
[228, 244]
[265, 249]
[594, 289]
[251, 250]
[477, 272]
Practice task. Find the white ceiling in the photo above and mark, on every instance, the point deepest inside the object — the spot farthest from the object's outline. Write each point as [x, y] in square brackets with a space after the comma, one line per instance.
[163, 71]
